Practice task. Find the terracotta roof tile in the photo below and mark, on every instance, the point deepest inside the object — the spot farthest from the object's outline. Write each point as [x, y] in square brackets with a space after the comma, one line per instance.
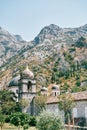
[51, 100]
[80, 95]
[77, 96]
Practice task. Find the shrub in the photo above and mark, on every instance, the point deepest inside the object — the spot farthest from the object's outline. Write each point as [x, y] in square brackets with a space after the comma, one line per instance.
[77, 76]
[7, 119]
[2, 120]
[75, 89]
[20, 119]
[78, 83]
[40, 102]
[81, 42]
[65, 87]
[32, 121]
[66, 103]
[49, 121]
[55, 69]
[72, 49]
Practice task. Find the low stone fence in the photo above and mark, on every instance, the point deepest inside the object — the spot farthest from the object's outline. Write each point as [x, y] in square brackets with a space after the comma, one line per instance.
[71, 127]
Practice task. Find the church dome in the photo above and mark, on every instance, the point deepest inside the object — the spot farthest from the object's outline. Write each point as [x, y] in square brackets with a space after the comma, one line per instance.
[14, 81]
[55, 87]
[28, 73]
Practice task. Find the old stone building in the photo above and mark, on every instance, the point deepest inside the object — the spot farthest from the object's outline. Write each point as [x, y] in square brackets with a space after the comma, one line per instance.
[24, 86]
[80, 109]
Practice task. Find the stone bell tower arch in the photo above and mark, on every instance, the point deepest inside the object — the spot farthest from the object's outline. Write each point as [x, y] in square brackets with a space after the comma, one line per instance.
[27, 88]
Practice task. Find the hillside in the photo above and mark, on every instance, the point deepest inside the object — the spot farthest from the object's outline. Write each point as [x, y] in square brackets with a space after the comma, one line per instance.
[56, 55]
[9, 45]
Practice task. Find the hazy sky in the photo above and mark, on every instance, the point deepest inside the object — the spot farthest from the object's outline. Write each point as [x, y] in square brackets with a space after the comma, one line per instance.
[28, 17]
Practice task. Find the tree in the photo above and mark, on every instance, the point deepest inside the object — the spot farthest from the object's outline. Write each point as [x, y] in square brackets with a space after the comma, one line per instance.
[66, 103]
[6, 95]
[32, 121]
[81, 42]
[23, 103]
[8, 107]
[78, 83]
[40, 102]
[8, 102]
[49, 121]
[2, 120]
[65, 88]
[84, 64]
[53, 78]
[20, 119]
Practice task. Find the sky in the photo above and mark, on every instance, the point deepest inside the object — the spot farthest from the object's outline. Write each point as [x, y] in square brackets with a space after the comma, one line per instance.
[28, 17]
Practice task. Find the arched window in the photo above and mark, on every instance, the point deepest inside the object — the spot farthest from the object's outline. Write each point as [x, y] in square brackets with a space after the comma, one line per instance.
[29, 86]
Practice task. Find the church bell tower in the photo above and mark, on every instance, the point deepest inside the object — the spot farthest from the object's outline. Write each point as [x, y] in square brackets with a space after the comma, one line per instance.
[27, 87]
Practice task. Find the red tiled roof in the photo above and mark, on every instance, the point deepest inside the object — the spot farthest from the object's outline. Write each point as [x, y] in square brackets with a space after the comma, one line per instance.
[80, 95]
[51, 100]
[77, 97]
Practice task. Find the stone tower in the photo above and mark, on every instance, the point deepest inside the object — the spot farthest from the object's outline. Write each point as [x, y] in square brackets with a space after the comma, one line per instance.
[27, 88]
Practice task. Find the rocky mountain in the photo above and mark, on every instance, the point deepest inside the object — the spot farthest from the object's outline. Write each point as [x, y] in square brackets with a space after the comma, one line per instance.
[61, 34]
[9, 45]
[55, 55]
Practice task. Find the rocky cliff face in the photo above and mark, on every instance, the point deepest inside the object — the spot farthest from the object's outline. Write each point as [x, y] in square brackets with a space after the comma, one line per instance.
[51, 36]
[52, 50]
[9, 45]
[55, 32]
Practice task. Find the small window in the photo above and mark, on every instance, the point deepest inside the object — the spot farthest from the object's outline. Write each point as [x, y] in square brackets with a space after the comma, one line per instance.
[29, 85]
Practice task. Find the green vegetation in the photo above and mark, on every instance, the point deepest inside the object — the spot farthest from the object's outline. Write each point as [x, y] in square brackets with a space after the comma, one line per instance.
[40, 102]
[75, 71]
[68, 57]
[78, 83]
[66, 103]
[84, 64]
[81, 42]
[8, 102]
[2, 120]
[32, 121]
[49, 121]
[20, 119]
[23, 103]
[72, 49]
[65, 88]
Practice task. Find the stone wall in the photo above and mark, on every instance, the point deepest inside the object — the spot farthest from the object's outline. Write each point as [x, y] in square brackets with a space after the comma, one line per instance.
[54, 108]
[80, 109]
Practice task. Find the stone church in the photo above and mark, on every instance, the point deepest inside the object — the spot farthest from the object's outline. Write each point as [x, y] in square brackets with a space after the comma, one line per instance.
[24, 87]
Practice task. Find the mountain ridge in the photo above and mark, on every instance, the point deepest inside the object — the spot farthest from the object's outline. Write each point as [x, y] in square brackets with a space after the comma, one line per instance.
[53, 51]
[55, 30]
